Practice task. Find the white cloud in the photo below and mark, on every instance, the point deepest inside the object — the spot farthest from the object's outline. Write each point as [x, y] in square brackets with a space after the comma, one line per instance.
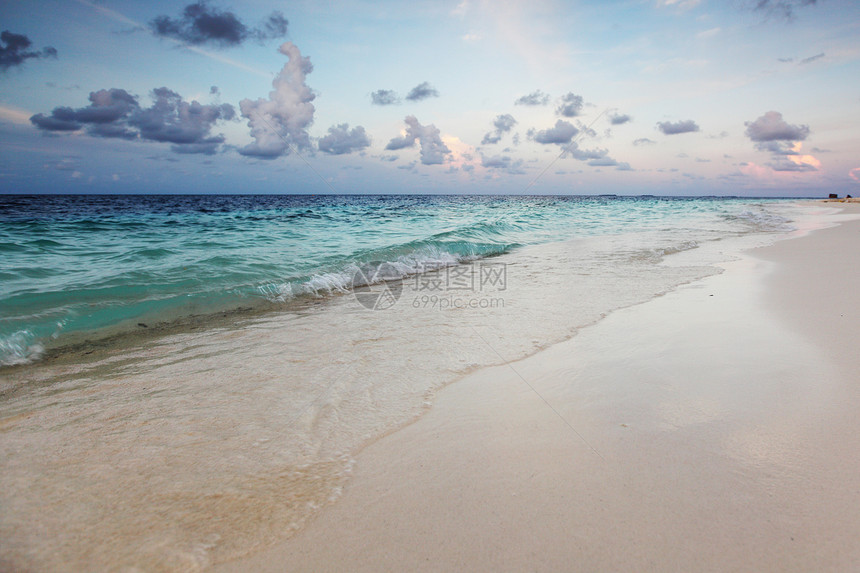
[281, 122]
[433, 149]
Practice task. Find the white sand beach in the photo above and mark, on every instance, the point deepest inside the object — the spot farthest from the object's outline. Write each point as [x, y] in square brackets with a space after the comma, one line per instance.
[711, 429]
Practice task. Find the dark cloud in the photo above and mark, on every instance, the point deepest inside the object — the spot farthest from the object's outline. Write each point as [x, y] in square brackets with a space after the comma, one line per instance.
[570, 105]
[586, 154]
[686, 126]
[561, 133]
[115, 113]
[643, 141]
[16, 50]
[61, 119]
[341, 139]
[771, 127]
[275, 26]
[496, 161]
[422, 91]
[504, 162]
[384, 97]
[502, 124]
[777, 147]
[203, 24]
[280, 123]
[781, 8]
[106, 116]
[185, 124]
[619, 119]
[433, 149]
[811, 59]
[537, 97]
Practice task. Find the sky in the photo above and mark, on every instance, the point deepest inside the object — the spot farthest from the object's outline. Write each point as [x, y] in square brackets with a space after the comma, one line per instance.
[628, 97]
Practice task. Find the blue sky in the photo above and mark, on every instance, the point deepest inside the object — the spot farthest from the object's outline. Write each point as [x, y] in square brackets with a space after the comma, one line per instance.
[669, 97]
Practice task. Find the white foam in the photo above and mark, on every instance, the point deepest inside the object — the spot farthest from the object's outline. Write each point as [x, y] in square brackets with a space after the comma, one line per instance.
[19, 348]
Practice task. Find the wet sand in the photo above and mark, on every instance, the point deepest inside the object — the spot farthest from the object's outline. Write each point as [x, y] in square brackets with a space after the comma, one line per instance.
[711, 429]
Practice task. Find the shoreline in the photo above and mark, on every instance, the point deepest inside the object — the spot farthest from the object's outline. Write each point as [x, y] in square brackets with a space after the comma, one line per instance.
[219, 443]
[709, 428]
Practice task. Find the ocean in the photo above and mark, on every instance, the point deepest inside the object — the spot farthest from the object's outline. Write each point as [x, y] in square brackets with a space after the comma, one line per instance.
[196, 373]
[89, 266]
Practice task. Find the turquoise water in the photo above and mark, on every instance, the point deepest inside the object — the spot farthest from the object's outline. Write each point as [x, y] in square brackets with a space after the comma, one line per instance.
[72, 264]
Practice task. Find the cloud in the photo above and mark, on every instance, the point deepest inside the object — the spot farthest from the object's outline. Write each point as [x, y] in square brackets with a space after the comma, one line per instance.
[115, 113]
[504, 162]
[187, 125]
[384, 97]
[791, 166]
[106, 116]
[771, 127]
[275, 26]
[15, 51]
[643, 141]
[771, 133]
[503, 124]
[619, 119]
[603, 162]
[669, 128]
[681, 4]
[341, 139]
[561, 133]
[570, 105]
[811, 59]
[709, 33]
[422, 91]
[781, 8]
[496, 161]
[776, 147]
[65, 164]
[203, 24]
[281, 122]
[537, 97]
[433, 149]
[587, 154]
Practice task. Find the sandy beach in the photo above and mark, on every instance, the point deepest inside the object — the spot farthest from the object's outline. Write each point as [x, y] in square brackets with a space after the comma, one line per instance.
[711, 429]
